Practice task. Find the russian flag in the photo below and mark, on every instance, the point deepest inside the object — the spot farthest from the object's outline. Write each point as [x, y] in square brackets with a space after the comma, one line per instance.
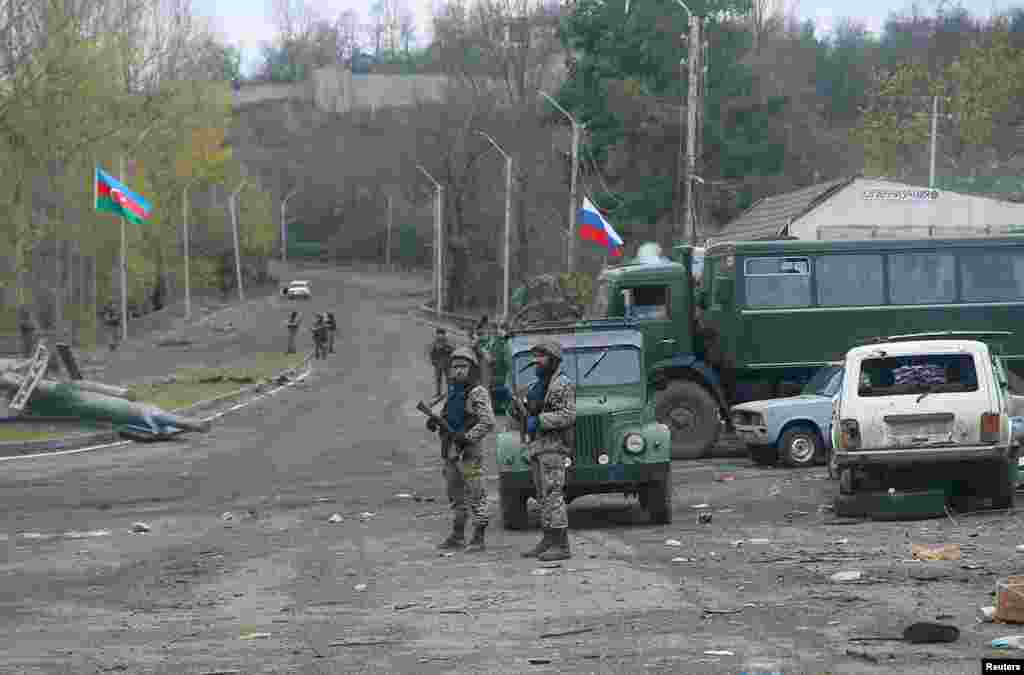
[593, 227]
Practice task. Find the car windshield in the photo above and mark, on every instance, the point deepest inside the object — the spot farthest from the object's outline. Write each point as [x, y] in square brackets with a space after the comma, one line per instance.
[611, 366]
[917, 374]
[825, 382]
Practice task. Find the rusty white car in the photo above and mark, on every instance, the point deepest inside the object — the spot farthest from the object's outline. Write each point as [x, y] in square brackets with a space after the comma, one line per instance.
[911, 403]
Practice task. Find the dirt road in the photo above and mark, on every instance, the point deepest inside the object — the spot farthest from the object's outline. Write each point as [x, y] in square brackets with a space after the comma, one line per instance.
[243, 572]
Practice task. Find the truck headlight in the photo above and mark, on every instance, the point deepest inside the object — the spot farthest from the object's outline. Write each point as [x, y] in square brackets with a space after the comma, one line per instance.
[634, 443]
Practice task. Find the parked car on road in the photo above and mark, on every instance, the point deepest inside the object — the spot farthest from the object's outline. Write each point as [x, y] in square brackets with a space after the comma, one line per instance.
[913, 405]
[298, 290]
[795, 429]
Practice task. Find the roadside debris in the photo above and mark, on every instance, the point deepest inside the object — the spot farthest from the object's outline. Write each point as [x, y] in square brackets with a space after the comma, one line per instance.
[227, 516]
[719, 652]
[701, 506]
[254, 636]
[563, 633]
[673, 542]
[141, 527]
[1010, 599]
[1020, 548]
[678, 559]
[403, 495]
[725, 478]
[336, 518]
[361, 643]
[538, 661]
[360, 587]
[935, 552]
[1009, 642]
[843, 577]
[704, 517]
[366, 515]
[986, 614]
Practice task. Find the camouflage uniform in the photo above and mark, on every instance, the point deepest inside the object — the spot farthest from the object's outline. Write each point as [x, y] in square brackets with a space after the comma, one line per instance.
[552, 444]
[463, 470]
[332, 329]
[294, 321]
[319, 337]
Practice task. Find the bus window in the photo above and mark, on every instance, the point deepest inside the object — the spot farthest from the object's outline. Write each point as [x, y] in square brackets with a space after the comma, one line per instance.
[921, 278]
[845, 280]
[992, 276]
[778, 282]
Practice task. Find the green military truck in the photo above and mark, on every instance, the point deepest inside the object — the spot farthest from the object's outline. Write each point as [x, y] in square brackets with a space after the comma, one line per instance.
[751, 320]
[619, 446]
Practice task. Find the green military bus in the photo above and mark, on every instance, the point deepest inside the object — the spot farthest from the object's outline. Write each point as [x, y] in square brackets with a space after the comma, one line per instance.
[763, 316]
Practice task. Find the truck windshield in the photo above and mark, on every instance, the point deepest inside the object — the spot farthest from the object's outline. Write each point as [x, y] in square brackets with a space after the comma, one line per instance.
[621, 365]
[825, 382]
[917, 374]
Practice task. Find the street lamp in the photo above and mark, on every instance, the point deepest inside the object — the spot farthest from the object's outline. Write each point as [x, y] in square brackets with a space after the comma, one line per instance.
[438, 205]
[284, 225]
[232, 206]
[576, 126]
[124, 239]
[508, 223]
[184, 236]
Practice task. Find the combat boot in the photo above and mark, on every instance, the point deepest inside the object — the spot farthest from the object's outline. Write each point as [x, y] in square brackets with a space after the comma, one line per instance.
[457, 539]
[559, 549]
[544, 544]
[476, 544]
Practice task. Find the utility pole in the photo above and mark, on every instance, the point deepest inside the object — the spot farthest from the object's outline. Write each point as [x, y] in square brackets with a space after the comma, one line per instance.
[233, 206]
[284, 225]
[570, 238]
[184, 237]
[438, 239]
[387, 243]
[124, 263]
[935, 125]
[508, 224]
[691, 126]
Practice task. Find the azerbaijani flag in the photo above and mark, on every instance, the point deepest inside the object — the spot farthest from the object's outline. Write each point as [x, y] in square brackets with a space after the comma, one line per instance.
[111, 195]
[593, 227]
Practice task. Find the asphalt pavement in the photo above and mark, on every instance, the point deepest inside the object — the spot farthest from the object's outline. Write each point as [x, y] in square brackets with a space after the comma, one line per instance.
[243, 571]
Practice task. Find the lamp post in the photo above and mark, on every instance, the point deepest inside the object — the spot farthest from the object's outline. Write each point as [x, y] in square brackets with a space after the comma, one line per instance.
[438, 259]
[576, 126]
[124, 240]
[508, 224]
[233, 207]
[284, 225]
[184, 238]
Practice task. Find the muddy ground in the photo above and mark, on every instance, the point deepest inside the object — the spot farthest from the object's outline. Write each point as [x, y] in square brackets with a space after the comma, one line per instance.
[242, 571]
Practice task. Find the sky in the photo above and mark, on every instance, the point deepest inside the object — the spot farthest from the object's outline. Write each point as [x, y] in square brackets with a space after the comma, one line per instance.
[248, 23]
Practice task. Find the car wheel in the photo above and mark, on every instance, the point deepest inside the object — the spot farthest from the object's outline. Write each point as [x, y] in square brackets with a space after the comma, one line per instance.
[692, 414]
[513, 509]
[800, 446]
[846, 483]
[659, 499]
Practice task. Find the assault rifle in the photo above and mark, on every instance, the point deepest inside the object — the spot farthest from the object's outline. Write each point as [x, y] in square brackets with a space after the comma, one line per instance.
[442, 424]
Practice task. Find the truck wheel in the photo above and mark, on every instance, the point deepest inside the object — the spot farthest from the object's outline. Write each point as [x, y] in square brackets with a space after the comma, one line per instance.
[513, 509]
[659, 499]
[800, 446]
[692, 415]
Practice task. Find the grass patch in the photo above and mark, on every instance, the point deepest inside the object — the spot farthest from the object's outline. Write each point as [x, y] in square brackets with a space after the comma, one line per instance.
[11, 434]
[199, 384]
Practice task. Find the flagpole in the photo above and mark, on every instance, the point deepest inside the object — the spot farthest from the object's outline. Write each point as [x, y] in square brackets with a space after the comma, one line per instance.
[124, 264]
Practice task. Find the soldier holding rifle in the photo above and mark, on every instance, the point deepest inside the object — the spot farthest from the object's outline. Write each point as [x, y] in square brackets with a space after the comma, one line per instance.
[466, 418]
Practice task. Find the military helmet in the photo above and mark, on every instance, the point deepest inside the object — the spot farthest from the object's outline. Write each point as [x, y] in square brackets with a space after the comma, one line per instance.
[550, 347]
[467, 354]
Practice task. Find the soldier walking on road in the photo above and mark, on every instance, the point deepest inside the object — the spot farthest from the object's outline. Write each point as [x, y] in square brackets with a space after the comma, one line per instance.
[440, 354]
[320, 337]
[332, 328]
[470, 416]
[294, 321]
[551, 424]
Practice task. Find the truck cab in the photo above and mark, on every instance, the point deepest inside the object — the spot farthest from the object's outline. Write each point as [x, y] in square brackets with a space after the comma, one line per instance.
[619, 445]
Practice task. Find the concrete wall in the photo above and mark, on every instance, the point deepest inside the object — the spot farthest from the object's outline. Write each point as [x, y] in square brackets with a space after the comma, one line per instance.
[854, 214]
[258, 93]
[337, 90]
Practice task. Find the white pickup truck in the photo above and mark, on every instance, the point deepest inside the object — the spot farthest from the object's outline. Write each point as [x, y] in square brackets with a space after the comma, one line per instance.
[914, 403]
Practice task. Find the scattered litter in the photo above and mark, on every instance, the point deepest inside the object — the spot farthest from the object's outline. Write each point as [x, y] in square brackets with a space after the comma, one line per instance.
[551, 565]
[336, 518]
[360, 587]
[1009, 642]
[795, 514]
[321, 500]
[988, 614]
[738, 543]
[936, 552]
[406, 605]
[701, 506]
[361, 643]
[447, 554]
[774, 491]
[227, 515]
[971, 566]
[841, 542]
[681, 560]
[840, 577]
[726, 510]
[562, 633]
[725, 478]
[89, 534]
[673, 542]
[708, 610]
[704, 517]
[758, 542]
[1020, 548]
[538, 661]
[254, 636]
[366, 515]
[541, 572]
[140, 527]
[719, 652]
[403, 495]
[826, 507]
[833, 623]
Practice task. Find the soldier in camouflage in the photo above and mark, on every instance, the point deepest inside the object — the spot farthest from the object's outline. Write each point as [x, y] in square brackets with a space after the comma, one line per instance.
[551, 424]
[470, 416]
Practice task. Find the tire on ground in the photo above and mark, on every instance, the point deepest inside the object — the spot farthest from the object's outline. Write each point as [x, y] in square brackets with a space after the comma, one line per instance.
[696, 426]
[800, 446]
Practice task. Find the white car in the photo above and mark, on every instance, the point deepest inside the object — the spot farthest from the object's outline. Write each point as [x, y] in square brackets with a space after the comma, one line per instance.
[916, 403]
[298, 290]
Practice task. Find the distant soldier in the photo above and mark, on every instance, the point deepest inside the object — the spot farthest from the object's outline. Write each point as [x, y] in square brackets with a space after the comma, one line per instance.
[440, 354]
[332, 328]
[551, 424]
[469, 415]
[481, 343]
[320, 337]
[112, 320]
[294, 321]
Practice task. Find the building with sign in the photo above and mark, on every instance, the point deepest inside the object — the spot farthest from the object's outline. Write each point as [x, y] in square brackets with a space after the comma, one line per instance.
[867, 208]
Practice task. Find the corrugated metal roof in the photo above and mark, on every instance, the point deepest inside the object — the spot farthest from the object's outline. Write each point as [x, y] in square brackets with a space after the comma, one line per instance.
[769, 216]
